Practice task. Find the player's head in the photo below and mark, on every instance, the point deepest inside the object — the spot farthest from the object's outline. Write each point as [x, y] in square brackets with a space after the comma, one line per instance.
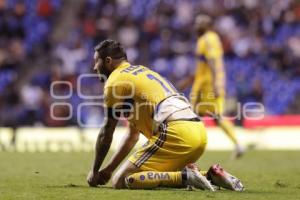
[108, 54]
[202, 24]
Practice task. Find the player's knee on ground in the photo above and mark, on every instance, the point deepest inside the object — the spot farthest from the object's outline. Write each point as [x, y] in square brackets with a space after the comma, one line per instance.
[118, 182]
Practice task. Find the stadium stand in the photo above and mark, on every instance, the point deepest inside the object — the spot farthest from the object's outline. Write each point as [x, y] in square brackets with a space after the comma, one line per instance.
[261, 42]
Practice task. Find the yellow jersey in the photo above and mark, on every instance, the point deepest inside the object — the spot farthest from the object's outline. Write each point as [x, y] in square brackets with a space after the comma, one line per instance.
[138, 89]
[209, 48]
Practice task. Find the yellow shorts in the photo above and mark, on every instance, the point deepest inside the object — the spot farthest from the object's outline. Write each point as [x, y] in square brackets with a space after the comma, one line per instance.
[204, 103]
[179, 143]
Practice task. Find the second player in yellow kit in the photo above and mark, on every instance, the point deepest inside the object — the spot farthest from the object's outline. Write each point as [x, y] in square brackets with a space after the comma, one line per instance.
[208, 83]
[207, 95]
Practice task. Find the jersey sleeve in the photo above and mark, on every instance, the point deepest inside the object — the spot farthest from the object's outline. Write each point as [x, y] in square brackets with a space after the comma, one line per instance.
[116, 94]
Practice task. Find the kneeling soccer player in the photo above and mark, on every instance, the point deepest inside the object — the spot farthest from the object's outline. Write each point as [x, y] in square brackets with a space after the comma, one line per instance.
[176, 136]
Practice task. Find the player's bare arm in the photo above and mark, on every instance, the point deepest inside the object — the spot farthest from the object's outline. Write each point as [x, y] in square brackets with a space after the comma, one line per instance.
[101, 149]
[126, 146]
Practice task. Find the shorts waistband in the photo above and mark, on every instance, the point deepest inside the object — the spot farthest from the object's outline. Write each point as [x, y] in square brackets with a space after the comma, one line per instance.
[195, 119]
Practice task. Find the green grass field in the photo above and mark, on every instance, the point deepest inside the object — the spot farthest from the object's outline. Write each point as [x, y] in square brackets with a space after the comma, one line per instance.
[266, 175]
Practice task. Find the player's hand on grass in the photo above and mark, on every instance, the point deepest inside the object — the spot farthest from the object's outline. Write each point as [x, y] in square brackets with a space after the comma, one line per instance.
[93, 178]
[104, 176]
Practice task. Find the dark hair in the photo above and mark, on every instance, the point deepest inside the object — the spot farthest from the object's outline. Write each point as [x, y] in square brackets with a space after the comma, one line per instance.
[111, 48]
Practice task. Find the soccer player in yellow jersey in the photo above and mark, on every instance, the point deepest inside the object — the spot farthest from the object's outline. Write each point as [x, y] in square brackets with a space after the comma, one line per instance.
[208, 91]
[176, 136]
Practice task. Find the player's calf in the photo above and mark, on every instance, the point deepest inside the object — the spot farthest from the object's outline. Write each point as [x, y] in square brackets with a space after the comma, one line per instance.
[189, 176]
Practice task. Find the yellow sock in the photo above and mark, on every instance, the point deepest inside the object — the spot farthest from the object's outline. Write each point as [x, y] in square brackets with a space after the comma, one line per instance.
[228, 129]
[203, 173]
[151, 179]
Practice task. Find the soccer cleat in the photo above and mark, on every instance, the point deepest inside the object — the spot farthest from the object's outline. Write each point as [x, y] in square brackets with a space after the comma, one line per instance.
[238, 152]
[219, 177]
[196, 179]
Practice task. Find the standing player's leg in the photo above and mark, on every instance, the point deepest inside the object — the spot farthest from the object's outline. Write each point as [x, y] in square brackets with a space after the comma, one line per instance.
[227, 127]
[206, 104]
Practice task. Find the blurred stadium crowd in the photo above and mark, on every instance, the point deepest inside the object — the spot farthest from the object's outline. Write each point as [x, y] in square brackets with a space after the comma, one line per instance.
[261, 41]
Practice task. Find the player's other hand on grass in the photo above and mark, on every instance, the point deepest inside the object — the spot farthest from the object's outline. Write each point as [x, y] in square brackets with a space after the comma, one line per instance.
[104, 176]
[93, 178]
